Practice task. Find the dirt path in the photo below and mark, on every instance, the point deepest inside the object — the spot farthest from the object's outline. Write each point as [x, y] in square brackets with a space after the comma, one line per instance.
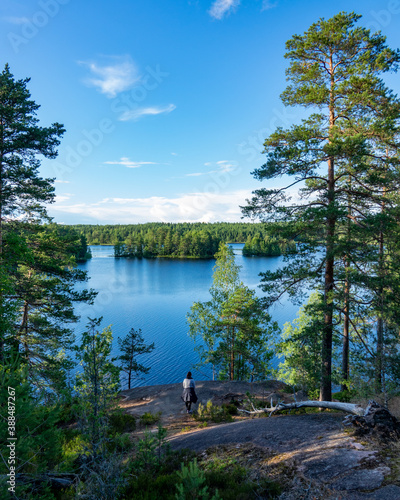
[314, 444]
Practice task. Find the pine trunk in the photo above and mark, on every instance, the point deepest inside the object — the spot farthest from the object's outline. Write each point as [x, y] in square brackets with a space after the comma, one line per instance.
[327, 336]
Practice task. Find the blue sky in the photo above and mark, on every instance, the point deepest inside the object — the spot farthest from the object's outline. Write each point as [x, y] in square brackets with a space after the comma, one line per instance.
[166, 104]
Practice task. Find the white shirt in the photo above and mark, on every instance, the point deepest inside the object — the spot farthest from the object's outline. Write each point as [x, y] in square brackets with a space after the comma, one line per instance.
[188, 382]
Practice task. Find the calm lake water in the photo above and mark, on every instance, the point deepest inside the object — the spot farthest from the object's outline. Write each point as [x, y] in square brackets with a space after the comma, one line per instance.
[155, 295]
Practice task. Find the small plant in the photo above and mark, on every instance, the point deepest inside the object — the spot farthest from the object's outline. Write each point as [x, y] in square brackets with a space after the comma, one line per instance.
[150, 418]
[120, 443]
[151, 448]
[212, 413]
[120, 422]
[146, 457]
[185, 429]
[192, 484]
[231, 408]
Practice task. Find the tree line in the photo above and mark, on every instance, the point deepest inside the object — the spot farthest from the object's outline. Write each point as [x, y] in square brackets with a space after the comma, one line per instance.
[193, 240]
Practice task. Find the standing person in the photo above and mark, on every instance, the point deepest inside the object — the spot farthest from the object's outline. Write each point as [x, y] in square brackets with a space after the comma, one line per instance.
[189, 395]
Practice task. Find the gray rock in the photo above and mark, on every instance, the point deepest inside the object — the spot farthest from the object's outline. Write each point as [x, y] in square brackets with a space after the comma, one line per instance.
[390, 492]
[359, 480]
[329, 463]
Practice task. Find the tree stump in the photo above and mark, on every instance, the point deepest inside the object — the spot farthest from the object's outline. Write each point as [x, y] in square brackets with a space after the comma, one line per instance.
[377, 421]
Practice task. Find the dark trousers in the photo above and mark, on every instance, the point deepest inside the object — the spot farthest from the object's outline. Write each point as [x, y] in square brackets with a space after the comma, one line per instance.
[188, 405]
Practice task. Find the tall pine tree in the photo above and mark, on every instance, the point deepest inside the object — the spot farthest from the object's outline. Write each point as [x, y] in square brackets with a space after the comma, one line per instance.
[334, 70]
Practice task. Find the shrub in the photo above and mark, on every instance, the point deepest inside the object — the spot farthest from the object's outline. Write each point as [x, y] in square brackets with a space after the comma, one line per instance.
[212, 413]
[150, 418]
[231, 408]
[345, 396]
[192, 483]
[120, 443]
[120, 422]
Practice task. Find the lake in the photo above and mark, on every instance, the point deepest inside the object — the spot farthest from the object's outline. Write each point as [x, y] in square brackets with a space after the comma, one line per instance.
[155, 295]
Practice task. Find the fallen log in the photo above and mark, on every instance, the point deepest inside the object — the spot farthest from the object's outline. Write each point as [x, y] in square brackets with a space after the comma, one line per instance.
[374, 419]
[354, 409]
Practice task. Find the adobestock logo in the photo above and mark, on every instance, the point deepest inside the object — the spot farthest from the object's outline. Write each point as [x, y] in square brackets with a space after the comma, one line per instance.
[384, 17]
[31, 27]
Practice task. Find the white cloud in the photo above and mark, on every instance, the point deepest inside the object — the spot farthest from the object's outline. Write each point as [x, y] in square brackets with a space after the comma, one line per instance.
[110, 79]
[222, 7]
[227, 166]
[136, 114]
[190, 207]
[63, 197]
[222, 166]
[61, 182]
[126, 162]
[268, 4]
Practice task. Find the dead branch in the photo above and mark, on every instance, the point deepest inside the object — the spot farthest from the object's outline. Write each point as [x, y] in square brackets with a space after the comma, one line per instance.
[354, 409]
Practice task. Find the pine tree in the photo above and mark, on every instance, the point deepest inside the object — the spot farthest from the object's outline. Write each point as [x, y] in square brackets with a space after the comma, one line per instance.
[131, 346]
[97, 386]
[22, 191]
[232, 325]
[334, 68]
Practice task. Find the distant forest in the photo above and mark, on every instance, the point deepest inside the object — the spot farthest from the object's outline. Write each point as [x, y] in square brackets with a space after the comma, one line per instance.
[185, 240]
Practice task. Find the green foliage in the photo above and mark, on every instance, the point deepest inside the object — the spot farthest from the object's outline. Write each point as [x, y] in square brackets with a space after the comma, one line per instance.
[213, 413]
[131, 346]
[22, 140]
[44, 281]
[233, 325]
[120, 422]
[96, 386]
[301, 347]
[149, 418]
[151, 449]
[38, 446]
[231, 408]
[232, 480]
[192, 484]
[251, 402]
[120, 443]
[344, 156]
[345, 396]
[270, 246]
[188, 240]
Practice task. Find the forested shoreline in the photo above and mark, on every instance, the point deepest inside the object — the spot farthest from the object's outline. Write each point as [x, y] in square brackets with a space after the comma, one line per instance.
[197, 240]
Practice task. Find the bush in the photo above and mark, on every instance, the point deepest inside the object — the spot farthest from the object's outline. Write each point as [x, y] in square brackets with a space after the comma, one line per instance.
[120, 443]
[191, 485]
[345, 396]
[230, 408]
[150, 418]
[232, 483]
[212, 413]
[145, 486]
[121, 422]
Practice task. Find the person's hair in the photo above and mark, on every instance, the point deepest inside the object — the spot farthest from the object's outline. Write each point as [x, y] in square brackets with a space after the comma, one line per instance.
[189, 375]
